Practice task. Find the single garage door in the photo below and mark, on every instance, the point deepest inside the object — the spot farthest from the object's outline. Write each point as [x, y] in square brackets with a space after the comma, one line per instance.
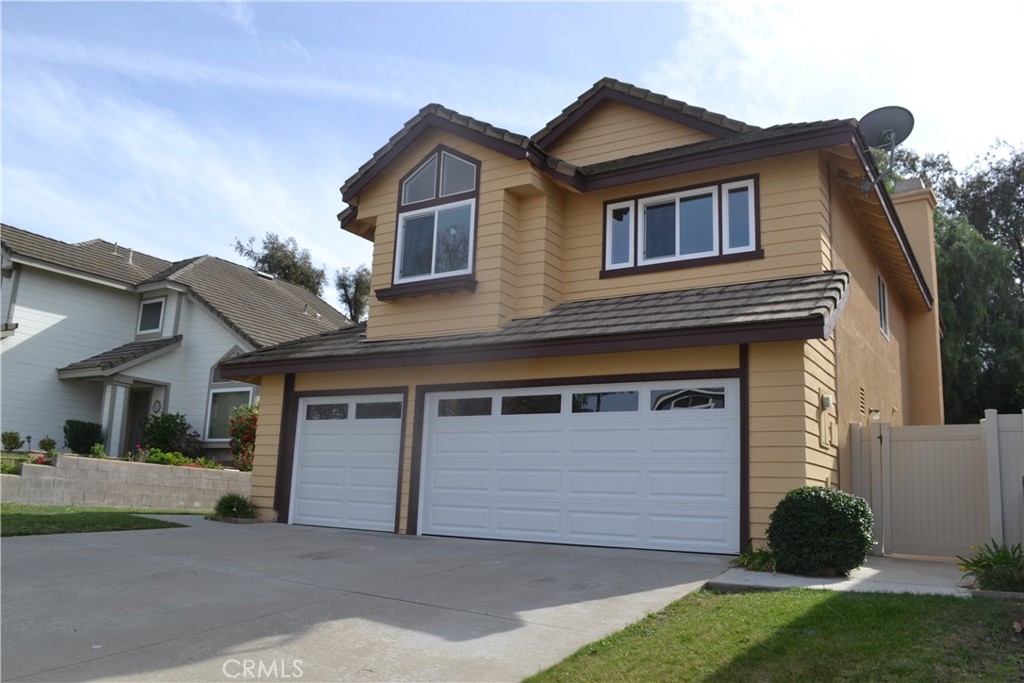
[651, 465]
[346, 462]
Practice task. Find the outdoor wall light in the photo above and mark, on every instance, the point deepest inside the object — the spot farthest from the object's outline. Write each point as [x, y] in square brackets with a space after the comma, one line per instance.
[875, 413]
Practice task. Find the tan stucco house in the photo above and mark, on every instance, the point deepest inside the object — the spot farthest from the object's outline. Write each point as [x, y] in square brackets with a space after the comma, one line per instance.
[638, 327]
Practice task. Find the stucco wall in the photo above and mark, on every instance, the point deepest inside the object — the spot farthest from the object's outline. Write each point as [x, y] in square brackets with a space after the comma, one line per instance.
[91, 482]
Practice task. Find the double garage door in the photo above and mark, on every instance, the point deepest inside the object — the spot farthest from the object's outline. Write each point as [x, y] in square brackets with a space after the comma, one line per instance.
[651, 465]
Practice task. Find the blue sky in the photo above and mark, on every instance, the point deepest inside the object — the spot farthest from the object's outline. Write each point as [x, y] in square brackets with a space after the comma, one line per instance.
[174, 128]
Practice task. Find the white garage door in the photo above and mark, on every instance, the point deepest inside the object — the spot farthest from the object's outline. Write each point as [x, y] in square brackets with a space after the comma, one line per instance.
[346, 462]
[653, 465]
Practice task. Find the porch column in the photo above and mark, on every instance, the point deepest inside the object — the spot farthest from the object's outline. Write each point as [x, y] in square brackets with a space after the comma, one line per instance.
[115, 415]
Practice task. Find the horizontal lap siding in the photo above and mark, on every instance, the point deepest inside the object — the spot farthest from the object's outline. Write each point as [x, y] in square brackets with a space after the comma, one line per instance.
[268, 436]
[614, 130]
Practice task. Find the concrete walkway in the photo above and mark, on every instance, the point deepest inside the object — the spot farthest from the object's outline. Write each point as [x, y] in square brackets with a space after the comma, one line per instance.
[878, 575]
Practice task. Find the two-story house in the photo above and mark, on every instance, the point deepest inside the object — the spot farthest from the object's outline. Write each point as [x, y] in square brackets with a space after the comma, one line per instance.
[638, 327]
[98, 332]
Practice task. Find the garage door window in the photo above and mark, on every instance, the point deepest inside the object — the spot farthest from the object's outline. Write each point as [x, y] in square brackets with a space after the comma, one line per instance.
[464, 407]
[606, 402]
[531, 405]
[327, 411]
[378, 411]
[711, 398]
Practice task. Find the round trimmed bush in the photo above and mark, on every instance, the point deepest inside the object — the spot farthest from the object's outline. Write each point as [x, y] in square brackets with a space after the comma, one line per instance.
[815, 529]
[236, 506]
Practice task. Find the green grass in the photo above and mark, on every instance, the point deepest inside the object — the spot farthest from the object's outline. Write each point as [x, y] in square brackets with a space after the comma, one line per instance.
[34, 520]
[804, 635]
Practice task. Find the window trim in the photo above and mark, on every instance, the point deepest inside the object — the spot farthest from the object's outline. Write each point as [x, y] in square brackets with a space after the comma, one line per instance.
[209, 409]
[162, 300]
[675, 198]
[883, 306]
[434, 211]
[722, 253]
[456, 280]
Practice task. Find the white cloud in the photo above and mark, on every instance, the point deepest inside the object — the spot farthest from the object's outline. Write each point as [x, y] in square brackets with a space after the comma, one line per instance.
[237, 12]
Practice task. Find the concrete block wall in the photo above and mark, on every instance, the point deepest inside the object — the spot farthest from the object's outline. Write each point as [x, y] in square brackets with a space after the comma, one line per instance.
[92, 482]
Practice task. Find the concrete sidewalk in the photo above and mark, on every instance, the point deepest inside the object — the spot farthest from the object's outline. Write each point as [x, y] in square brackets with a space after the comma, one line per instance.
[878, 575]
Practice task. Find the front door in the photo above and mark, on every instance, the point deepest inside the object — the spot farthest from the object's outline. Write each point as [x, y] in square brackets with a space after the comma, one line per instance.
[139, 401]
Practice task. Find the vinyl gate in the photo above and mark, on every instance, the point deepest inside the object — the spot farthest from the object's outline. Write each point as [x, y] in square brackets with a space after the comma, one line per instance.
[939, 490]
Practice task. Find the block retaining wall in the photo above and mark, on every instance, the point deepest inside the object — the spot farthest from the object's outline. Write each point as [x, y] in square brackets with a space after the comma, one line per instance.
[92, 482]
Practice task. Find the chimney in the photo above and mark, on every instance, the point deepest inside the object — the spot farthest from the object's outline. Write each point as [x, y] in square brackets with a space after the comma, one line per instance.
[915, 206]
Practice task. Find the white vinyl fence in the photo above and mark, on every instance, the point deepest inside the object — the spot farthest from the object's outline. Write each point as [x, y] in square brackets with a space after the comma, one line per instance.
[939, 490]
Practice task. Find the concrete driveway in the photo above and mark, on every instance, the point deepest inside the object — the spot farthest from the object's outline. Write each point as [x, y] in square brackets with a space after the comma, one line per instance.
[225, 602]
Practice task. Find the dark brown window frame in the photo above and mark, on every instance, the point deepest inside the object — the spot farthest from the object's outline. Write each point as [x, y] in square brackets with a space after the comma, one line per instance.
[438, 284]
[756, 251]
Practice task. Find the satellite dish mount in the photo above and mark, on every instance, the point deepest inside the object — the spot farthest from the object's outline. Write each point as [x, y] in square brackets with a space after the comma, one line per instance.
[885, 128]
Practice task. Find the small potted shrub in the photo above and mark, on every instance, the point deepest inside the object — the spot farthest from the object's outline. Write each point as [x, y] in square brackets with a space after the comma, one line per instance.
[820, 531]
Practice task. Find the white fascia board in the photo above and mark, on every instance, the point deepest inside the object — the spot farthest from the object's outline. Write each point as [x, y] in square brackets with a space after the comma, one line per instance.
[60, 270]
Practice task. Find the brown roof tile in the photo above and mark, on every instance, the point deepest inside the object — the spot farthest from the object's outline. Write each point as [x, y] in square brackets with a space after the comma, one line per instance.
[101, 363]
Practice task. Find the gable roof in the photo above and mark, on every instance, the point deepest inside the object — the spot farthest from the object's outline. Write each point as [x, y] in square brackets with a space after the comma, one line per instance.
[609, 89]
[804, 307]
[261, 309]
[120, 358]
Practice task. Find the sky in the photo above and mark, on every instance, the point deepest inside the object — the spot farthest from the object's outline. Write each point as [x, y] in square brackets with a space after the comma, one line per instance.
[177, 128]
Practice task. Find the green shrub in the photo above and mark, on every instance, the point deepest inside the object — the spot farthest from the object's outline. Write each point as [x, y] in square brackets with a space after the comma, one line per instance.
[46, 444]
[172, 432]
[11, 441]
[816, 529]
[79, 436]
[996, 567]
[235, 505]
[760, 560]
[98, 451]
[203, 463]
[10, 467]
[159, 457]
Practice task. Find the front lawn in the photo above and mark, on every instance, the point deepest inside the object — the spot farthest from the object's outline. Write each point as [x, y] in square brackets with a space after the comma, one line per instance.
[33, 520]
[809, 635]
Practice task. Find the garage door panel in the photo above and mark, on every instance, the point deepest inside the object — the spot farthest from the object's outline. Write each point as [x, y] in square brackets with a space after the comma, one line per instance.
[533, 521]
[666, 479]
[613, 482]
[346, 470]
[461, 480]
[529, 481]
[593, 441]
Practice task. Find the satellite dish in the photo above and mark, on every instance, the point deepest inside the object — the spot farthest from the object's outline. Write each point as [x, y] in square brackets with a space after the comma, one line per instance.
[885, 128]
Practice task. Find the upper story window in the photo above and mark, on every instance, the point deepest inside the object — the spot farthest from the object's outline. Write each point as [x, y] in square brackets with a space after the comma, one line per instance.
[437, 218]
[151, 315]
[686, 225]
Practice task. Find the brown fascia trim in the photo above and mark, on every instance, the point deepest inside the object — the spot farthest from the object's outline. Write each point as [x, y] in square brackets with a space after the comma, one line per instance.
[683, 263]
[347, 216]
[762, 149]
[286, 450]
[894, 221]
[810, 327]
[745, 447]
[607, 93]
[459, 283]
[416, 465]
[531, 152]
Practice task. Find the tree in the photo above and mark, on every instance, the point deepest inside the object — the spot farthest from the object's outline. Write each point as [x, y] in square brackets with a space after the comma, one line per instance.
[353, 286]
[284, 260]
[979, 229]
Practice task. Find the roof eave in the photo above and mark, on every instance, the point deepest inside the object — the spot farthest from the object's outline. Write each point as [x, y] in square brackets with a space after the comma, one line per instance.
[102, 372]
[70, 272]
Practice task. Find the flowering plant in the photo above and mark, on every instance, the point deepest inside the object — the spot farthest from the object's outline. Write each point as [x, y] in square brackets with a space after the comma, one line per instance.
[242, 430]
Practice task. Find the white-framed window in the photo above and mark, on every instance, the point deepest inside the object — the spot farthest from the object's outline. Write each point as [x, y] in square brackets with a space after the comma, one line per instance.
[437, 218]
[883, 307]
[151, 315]
[219, 410]
[694, 223]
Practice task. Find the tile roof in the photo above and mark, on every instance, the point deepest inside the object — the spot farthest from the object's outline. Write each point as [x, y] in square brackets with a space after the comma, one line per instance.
[97, 258]
[102, 363]
[800, 307]
[261, 309]
[264, 310]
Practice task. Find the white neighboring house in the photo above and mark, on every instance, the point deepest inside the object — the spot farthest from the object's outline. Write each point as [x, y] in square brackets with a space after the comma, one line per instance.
[98, 332]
